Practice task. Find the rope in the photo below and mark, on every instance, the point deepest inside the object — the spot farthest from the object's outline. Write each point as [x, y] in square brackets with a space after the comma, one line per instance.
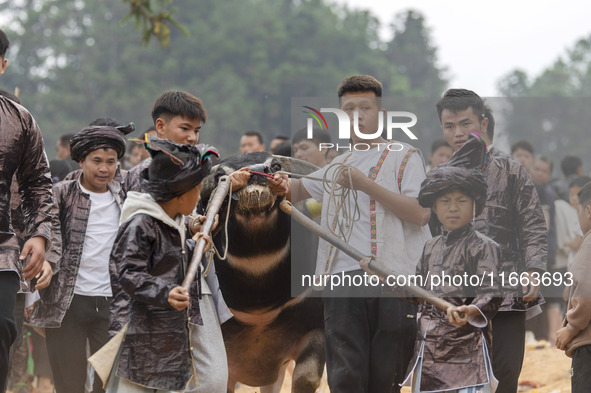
[213, 247]
[343, 220]
[345, 214]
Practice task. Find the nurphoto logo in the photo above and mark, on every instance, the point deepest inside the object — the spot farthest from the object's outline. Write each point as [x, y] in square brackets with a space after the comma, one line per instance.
[344, 121]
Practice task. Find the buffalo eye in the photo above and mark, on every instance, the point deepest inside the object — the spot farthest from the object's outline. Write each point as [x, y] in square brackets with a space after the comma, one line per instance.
[276, 167]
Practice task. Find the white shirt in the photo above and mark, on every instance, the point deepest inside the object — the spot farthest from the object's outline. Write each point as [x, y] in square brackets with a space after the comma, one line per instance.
[101, 230]
[360, 235]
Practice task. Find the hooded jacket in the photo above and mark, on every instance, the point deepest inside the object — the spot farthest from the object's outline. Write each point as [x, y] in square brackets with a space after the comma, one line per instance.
[22, 153]
[148, 259]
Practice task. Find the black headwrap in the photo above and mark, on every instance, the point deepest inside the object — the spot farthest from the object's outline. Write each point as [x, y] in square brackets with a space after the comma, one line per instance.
[175, 168]
[462, 173]
[92, 138]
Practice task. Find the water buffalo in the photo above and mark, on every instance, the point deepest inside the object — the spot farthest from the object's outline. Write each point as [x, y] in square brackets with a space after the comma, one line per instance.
[270, 327]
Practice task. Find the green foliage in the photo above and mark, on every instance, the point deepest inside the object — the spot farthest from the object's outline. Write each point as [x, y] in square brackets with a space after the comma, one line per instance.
[552, 109]
[410, 50]
[74, 61]
[152, 18]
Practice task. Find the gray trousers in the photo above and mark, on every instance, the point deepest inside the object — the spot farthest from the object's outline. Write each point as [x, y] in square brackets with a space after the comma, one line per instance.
[208, 351]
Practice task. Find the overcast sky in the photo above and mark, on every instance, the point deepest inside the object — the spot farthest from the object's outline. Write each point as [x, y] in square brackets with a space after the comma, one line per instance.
[480, 42]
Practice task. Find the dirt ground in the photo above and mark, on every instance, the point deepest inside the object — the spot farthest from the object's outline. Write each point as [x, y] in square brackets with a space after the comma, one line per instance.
[547, 369]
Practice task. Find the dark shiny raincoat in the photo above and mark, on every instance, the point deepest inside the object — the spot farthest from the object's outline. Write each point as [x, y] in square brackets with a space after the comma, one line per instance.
[147, 261]
[453, 356]
[71, 211]
[513, 217]
[130, 181]
[22, 153]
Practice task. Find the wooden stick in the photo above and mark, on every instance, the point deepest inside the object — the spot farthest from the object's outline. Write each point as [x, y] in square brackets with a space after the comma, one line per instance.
[213, 207]
[375, 265]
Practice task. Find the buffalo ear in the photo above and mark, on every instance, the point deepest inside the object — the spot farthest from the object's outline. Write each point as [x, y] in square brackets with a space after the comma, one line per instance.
[293, 165]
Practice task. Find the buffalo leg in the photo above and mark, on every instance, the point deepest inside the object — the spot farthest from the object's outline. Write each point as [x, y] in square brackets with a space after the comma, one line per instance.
[309, 364]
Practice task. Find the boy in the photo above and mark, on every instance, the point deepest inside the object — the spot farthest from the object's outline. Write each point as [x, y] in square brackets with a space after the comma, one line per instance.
[149, 260]
[452, 351]
[74, 308]
[370, 338]
[178, 116]
[575, 336]
[512, 217]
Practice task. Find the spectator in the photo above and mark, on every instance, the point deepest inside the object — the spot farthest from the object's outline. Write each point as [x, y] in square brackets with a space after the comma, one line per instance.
[251, 142]
[276, 141]
[441, 152]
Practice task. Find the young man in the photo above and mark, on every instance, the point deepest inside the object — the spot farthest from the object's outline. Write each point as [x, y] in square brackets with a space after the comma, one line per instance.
[74, 308]
[523, 151]
[441, 152]
[276, 141]
[23, 154]
[308, 149]
[575, 335]
[178, 117]
[370, 337]
[571, 166]
[512, 217]
[251, 141]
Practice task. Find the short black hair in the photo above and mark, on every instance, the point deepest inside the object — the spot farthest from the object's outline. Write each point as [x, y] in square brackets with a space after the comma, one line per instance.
[318, 136]
[254, 133]
[584, 195]
[4, 44]
[281, 137]
[283, 149]
[456, 100]
[570, 164]
[547, 161]
[523, 145]
[65, 139]
[439, 143]
[105, 121]
[579, 181]
[359, 83]
[178, 103]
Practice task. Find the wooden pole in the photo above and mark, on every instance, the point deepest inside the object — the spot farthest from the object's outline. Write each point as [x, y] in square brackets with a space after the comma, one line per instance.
[375, 265]
[213, 207]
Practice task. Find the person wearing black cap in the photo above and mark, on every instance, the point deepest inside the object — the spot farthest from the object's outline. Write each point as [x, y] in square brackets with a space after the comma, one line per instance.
[149, 260]
[452, 349]
[74, 308]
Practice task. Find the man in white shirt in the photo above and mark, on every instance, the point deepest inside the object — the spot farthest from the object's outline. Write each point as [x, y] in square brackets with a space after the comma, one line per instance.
[369, 336]
[74, 309]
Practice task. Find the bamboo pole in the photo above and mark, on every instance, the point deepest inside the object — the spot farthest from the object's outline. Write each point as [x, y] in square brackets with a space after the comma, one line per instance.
[213, 207]
[375, 265]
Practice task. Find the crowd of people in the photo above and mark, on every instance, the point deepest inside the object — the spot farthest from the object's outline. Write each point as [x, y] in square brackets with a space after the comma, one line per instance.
[94, 248]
